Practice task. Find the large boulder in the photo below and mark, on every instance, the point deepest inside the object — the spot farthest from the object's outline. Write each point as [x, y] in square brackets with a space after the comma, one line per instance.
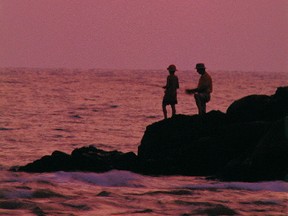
[250, 108]
[173, 146]
[198, 145]
[167, 138]
[260, 107]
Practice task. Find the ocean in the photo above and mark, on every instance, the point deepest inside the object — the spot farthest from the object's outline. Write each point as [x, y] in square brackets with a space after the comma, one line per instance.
[43, 110]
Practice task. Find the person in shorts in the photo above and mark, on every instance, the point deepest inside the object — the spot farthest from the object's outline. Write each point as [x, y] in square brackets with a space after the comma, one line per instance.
[170, 95]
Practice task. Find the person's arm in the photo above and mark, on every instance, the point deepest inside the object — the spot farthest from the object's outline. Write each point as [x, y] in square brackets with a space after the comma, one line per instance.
[201, 89]
[167, 83]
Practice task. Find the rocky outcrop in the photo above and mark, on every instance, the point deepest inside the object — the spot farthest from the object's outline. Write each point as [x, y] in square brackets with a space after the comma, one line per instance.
[247, 143]
[260, 107]
[199, 148]
[83, 159]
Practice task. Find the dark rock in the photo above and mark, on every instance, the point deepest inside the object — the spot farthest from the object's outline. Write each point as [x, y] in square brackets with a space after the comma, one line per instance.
[266, 161]
[100, 160]
[84, 159]
[281, 94]
[167, 138]
[260, 107]
[240, 145]
[199, 146]
[250, 108]
[173, 145]
[56, 162]
[249, 143]
[270, 158]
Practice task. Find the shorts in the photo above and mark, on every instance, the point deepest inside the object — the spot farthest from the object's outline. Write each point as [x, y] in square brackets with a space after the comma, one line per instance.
[169, 101]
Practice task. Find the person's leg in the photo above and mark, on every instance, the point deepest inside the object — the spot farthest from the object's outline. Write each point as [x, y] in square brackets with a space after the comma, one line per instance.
[198, 103]
[201, 104]
[173, 107]
[204, 99]
[203, 107]
[164, 110]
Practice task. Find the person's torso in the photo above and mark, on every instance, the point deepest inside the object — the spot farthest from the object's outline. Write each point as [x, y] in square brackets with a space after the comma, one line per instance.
[172, 82]
[205, 83]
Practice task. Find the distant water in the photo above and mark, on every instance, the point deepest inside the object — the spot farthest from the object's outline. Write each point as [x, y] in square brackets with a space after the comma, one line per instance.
[43, 110]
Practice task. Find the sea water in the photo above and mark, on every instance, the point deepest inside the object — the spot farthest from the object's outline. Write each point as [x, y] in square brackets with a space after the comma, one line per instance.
[43, 110]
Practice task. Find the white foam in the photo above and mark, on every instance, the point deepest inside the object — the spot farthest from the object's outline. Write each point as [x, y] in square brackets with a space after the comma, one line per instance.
[113, 178]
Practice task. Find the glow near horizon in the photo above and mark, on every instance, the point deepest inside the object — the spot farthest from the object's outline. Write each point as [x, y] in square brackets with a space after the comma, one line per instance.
[246, 35]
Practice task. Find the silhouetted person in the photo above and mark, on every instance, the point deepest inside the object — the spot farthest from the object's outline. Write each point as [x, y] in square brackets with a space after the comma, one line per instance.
[202, 93]
[170, 96]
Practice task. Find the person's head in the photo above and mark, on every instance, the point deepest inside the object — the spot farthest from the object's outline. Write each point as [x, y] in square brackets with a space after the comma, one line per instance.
[200, 67]
[172, 69]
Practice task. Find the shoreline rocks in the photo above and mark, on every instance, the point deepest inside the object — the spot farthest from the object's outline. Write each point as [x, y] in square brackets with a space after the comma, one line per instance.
[83, 159]
[247, 143]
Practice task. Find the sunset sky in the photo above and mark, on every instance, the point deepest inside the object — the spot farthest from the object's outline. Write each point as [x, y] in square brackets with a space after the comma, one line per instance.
[246, 35]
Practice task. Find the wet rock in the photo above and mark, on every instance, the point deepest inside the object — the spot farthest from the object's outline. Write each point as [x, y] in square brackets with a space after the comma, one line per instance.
[260, 107]
[197, 145]
[83, 159]
[248, 143]
[270, 158]
[175, 145]
[250, 108]
[57, 161]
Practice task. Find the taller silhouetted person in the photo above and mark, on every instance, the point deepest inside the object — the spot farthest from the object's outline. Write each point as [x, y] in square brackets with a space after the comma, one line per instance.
[170, 96]
[202, 93]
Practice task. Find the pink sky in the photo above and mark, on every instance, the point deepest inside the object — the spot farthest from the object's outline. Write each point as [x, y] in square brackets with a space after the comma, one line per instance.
[247, 35]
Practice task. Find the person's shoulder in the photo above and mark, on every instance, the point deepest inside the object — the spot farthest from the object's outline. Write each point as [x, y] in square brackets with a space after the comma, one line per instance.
[207, 74]
[175, 78]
